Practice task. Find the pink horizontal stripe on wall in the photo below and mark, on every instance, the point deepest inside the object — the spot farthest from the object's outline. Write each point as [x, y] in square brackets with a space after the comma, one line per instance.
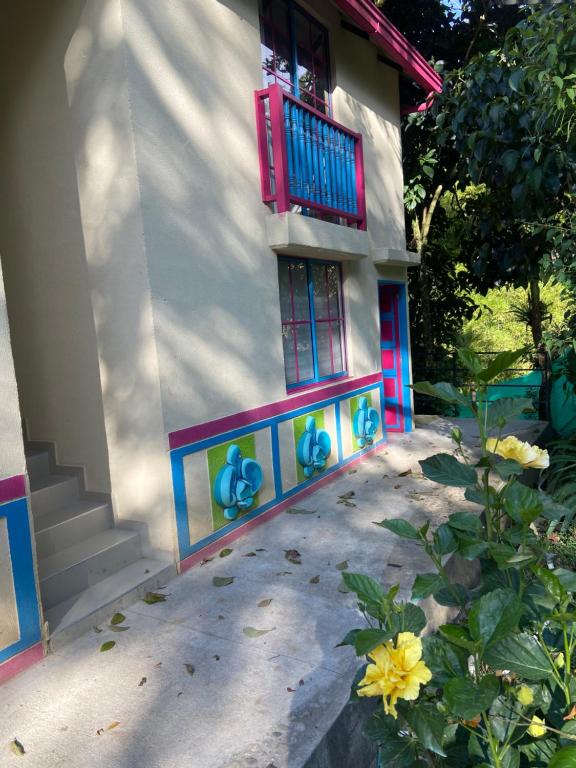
[21, 661]
[12, 488]
[189, 435]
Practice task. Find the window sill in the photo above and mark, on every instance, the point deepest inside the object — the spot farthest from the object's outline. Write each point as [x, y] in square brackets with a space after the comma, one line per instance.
[296, 235]
[317, 384]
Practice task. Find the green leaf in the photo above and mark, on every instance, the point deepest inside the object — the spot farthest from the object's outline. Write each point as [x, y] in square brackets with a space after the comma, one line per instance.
[411, 619]
[225, 552]
[253, 632]
[444, 540]
[401, 528]
[503, 360]
[368, 590]
[118, 618]
[504, 716]
[458, 636]
[466, 699]
[515, 80]
[443, 391]
[506, 408]
[447, 470]
[566, 578]
[396, 750]
[494, 616]
[107, 646]
[564, 758]
[118, 629]
[470, 360]
[350, 638]
[520, 653]
[368, 639]
[551, 582]
[153, 597]
[222, 581]
[465, 521]
[509, 160]
[443, 659]
[454, 596]
[426, 584]
[507, 468]
[522, 504]
[472, 551]
[428, 724]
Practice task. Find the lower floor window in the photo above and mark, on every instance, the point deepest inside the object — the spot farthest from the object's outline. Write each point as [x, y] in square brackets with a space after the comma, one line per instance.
[312, 315]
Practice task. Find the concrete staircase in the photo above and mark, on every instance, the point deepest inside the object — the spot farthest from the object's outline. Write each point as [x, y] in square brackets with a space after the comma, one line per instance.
[87, 568]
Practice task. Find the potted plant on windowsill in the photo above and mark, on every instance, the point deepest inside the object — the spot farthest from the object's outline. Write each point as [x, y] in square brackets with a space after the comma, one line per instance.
[493, 686]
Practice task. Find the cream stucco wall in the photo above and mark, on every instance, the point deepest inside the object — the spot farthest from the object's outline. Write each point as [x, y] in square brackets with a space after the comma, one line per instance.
[11, 447]
[41, 240]
[192, 71]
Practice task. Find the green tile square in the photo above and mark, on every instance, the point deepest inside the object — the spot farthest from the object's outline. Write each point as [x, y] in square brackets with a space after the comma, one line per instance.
[216, 460]
[354, 403]
[299, 424]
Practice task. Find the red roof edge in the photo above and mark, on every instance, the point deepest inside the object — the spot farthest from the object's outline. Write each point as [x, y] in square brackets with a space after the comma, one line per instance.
[385, 35]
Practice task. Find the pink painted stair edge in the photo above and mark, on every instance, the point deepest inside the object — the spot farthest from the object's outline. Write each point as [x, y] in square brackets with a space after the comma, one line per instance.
[12, 488]
[21, 661]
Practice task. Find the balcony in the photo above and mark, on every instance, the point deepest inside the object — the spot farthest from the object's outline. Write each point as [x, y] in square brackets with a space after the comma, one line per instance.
[309, 164]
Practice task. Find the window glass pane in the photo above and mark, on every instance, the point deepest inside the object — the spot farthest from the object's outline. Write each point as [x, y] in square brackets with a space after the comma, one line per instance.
[325, 367]
[285, 300]
[300, 288]
[305, 356]
[289, 354]
[338, 346]
[318, 272]
[334, 290]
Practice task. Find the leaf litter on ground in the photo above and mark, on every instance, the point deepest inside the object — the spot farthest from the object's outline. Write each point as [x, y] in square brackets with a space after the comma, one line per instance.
[118, 618]
[190, 669]
[293, 556]
[253, 632]
[107, 646]
[225, 552]
[153, 597]
[17, 747]
[222, 581]
[315, 580]
[342, 566]
[265, 603]
[300, 511]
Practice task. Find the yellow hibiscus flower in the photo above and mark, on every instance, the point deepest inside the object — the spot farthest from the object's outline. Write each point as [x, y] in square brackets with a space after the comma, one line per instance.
[525, 454]
[525, 696]
[537, 727]
[397, 672]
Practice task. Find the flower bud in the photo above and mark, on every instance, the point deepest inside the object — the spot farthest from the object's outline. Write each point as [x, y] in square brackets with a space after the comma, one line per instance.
[525, 695]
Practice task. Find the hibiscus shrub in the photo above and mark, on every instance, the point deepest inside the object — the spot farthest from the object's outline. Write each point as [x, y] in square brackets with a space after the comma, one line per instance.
[493, 687]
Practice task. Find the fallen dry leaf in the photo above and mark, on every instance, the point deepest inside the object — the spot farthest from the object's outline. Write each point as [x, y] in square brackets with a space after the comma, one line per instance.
[342, 566]
[250, 554]
[253, 632]
[17, 747]
[225, 552]
[113, 725]
[283, 573]
[571, 715]
[265, 603]
[222, 581]
[347, 495]
[206, 560]
[190, 669]
[142, 681]
[153, 597]
[300, 511]
[118, 629]
[293, 556]
[315, 580]
[405, 473]
[97, 630]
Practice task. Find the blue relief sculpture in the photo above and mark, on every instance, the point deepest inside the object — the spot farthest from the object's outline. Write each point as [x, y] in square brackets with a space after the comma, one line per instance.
[313, 448]
[237, 483]
[365, 424]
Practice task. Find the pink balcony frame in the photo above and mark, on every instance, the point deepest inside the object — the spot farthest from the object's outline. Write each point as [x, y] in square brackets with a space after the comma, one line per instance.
[281, 194]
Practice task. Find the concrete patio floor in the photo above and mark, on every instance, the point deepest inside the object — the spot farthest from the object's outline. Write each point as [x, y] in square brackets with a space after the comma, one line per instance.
[246, 700]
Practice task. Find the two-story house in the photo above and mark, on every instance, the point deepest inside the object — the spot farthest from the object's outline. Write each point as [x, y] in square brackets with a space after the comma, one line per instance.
[204, 264]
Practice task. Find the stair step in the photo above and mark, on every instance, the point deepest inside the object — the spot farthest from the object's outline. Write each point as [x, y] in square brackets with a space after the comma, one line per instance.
[98, 603]
[50, 493]
[37, 465]
[71, 525]
[76, 568]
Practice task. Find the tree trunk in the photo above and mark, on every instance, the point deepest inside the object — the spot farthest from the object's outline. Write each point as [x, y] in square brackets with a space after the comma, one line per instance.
[535, 310]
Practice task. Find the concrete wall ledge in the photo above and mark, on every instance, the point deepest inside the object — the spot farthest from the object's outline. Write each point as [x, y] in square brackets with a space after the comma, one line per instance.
[298, 235]
[394, 257]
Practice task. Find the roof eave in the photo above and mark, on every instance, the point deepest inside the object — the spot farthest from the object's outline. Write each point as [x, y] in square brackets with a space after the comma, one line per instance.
[385, 35]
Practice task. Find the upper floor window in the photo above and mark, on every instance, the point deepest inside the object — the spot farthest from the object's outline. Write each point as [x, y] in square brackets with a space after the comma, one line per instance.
[312, 315]
[294, 52]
